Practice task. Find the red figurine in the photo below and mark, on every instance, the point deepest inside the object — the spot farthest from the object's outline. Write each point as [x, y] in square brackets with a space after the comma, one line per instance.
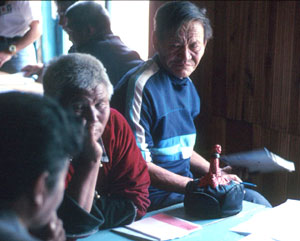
[214, 177]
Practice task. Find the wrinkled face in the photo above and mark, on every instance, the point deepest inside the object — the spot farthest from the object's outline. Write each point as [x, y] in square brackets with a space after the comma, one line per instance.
[93, 108]
[52, 200]
[181, 52]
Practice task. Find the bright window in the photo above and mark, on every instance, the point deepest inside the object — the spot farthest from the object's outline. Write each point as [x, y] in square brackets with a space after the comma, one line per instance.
[130, 21]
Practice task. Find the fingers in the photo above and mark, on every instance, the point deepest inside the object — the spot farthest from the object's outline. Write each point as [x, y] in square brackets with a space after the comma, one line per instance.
[94, 131]
[234, 178]
[52, 231]
[56, 231]
[227, 170]
[30, 70]
[241, 172]
[238, 171]
[92, 150]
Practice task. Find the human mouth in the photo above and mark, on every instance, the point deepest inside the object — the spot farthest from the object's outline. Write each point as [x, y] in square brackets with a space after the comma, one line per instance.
[182, 64]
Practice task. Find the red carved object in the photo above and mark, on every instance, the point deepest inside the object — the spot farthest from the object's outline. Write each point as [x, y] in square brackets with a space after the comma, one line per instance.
[214, 176]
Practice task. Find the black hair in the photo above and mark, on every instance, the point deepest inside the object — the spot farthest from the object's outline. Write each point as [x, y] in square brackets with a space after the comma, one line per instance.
[37, 136]
[172, 15]
[88, 13]
[65, 4]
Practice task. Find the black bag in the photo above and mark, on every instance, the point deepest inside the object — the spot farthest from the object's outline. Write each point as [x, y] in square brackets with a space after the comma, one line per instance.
[215, 195]
[207, 202]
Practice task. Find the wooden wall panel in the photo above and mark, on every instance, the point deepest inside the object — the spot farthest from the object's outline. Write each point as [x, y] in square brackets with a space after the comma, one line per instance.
[294, 121]
[254, 50]
[255, 80]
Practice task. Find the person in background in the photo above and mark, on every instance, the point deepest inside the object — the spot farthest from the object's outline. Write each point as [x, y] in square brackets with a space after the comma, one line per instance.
[110, 175]
[160, 103]
[37, 140]
[89, 28]
[62, 7]
[37, 69]
[20, 27]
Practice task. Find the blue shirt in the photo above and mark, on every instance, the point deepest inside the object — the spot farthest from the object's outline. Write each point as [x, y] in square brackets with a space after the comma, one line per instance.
[160, 109]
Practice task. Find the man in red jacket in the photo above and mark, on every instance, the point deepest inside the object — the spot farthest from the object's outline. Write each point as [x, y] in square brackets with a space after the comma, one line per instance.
[110, 176]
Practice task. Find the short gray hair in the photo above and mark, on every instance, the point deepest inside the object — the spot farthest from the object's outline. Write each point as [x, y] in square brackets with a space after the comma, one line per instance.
[73, 72]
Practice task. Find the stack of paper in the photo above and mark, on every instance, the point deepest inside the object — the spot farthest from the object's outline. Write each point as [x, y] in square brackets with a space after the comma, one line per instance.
[17, 81]
[261, 160]
[279, 223]
[160, 227]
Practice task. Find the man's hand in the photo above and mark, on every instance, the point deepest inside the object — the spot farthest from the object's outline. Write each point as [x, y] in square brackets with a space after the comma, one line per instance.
[92, 150]
[32, 69]
[4, 57]
[87, 165]
[53, 231]
[240, 172]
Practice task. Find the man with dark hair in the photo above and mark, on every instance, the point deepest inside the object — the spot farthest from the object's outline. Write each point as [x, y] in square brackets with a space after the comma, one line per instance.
[37, 141]
[109, 176]
[162, 102]
[62, 7]
[88, 26]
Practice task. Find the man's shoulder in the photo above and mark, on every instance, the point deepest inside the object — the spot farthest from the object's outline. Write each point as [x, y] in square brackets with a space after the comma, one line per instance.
[116, 119]
[143, 73]
[117, 128]
[116, 115]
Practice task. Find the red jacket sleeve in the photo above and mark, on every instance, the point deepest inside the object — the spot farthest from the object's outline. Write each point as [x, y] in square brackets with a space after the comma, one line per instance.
[126, 174]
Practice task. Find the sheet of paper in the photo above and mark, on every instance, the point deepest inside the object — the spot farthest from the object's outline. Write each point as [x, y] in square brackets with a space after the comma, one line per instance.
[261, 160]
[17, 78]
[4, 89]
[257, 237]
[163, 227]
[132, 234]
[17, 82]
[279, 223]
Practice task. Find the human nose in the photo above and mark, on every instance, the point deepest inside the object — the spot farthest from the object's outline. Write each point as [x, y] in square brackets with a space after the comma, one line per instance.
[92, 114]
[62, 21]
[185, 53]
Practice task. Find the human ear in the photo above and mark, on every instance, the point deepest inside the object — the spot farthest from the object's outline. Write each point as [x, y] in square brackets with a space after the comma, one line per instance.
[40, 189]
[90, 31]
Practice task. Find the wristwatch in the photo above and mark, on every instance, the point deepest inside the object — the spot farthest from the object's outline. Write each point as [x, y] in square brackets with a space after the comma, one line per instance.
[12, 48]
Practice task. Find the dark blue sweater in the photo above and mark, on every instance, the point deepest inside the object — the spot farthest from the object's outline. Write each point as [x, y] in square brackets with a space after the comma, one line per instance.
[160, 109]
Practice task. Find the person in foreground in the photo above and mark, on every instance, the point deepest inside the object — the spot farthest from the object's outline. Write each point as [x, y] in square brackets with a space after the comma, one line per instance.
[36, 142]
[162, 102]
[110, 174]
